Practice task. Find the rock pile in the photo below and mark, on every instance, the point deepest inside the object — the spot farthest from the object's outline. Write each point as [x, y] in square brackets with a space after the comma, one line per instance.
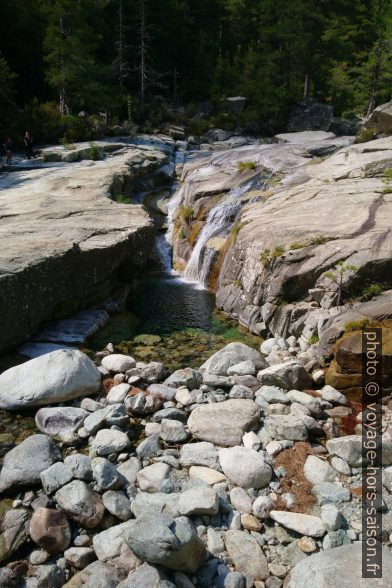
[212, 478]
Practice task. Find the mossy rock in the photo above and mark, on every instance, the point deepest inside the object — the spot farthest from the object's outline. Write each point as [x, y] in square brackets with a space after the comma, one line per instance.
[147, 339]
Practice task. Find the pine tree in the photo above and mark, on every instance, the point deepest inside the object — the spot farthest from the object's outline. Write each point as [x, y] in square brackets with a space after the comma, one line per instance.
[121, 62]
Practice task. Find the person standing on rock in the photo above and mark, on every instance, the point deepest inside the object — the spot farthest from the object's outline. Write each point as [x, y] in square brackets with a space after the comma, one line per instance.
[8, 147]
[28, 141]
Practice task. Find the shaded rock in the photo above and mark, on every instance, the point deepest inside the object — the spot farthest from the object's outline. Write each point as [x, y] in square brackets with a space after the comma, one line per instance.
[199, 454]
[199, 501]
[96, 575]
[50, 529]
[115, 414]
[310, 115]
[381, 119]
[23, 464]
[80, 466]
[105, 474]
[331, 517]
[118, 363]
[172, 543]
[109, 441]
[170, 413]
[81, 503]
[80, 557]
[8, 579]
[301, 523]
[55, 477]
[245, 467]
[246, 554]
[58, 376]
[61, 423]
[187, 377]
[340, 567]
[47, 576]
[224, 423]
[147, 575]
[118, 504]
[231, 355]
[289, 376]
[14, 527]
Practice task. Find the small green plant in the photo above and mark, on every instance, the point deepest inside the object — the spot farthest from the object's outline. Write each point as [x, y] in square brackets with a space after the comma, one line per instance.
[318, 240]
[366, 135]
[388, 174]
[94, 152]
[372, 290]
[236, 229]
[243, 166]
[361, 324]
[313, 339]
[237, 283]
[297, 245]
[182, 234]
[267, 257]
[387, 190]
[122, 199]
[337, 276]
[186, 214]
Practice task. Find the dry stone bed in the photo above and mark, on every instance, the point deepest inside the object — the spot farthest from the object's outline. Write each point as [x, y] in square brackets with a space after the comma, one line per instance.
[228, 476]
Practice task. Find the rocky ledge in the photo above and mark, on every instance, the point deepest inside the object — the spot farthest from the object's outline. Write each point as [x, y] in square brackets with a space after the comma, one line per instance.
[66, 243]
[237, 474]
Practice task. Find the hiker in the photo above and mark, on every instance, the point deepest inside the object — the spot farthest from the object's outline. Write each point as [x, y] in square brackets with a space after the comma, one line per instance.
[28, 141]
[8, 150]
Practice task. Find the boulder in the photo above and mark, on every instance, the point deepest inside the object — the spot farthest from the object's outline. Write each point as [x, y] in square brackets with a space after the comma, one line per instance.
[310, 115]
[289, 376]
[244, 368]
[337, 567]
[244, 467]
[172, 543]
[224, 423]
[329, 492]
[186, 377]
[58, 376]
[129, 469]
[50, 529]
[118, 393]
[231, 355]
[162, 391]
[173, 431]
[23, 465]
[246, 554]
[61, 423]
[83, 504]
[159, 503]
[207, 475]
[381, 119]
[300, 523]
[15, 526]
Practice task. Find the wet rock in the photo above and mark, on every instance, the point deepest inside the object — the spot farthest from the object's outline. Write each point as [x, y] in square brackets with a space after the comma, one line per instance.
[80, 557]
[115, 414]
[109, 441]
[129, 469]
[61, 423]
[171, 543]
[244, 467]
[285, 427]
[199, 501]
[199, 454]
[96, 575]
[83, 504]
[289, 376]
[301, 523]
[316, 470]
[231, 355]
[55, 377]
[118, 363]
[246, 554]
[14, 532]
[329, 568]
[55, 477]
[80, 466]
[224, 423]
[187, 377]
[24, 464]
[105, 474]
[118, 504]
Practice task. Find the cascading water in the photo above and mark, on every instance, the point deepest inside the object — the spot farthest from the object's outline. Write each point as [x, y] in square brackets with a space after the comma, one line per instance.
[218, 223]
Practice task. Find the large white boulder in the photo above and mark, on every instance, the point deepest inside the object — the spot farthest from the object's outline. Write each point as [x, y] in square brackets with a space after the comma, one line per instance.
[58, 376]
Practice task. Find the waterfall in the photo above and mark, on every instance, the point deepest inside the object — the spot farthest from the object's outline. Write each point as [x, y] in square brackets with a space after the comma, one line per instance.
[218, 223]
[164, 242]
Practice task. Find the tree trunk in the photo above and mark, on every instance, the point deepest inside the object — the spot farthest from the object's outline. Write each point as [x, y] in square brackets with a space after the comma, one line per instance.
[307, 87]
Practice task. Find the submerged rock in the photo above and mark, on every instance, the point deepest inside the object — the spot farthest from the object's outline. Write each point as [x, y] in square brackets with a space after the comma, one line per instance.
[59, 376]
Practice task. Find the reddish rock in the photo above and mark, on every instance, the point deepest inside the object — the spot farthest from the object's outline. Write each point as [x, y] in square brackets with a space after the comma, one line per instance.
[50, 529]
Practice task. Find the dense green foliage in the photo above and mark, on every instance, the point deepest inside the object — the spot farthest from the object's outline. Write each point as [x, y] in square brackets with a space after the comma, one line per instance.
[137, 59]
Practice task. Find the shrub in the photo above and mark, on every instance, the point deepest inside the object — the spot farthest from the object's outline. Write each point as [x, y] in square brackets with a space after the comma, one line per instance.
[94, 152]
[366, 135]
[186, 214]
[388, 174]
[122, 199]
[267, 256]
[298, 245]
[243, 166]
[313, 339]
[361, 324]
[319, 240]
[372, 290]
